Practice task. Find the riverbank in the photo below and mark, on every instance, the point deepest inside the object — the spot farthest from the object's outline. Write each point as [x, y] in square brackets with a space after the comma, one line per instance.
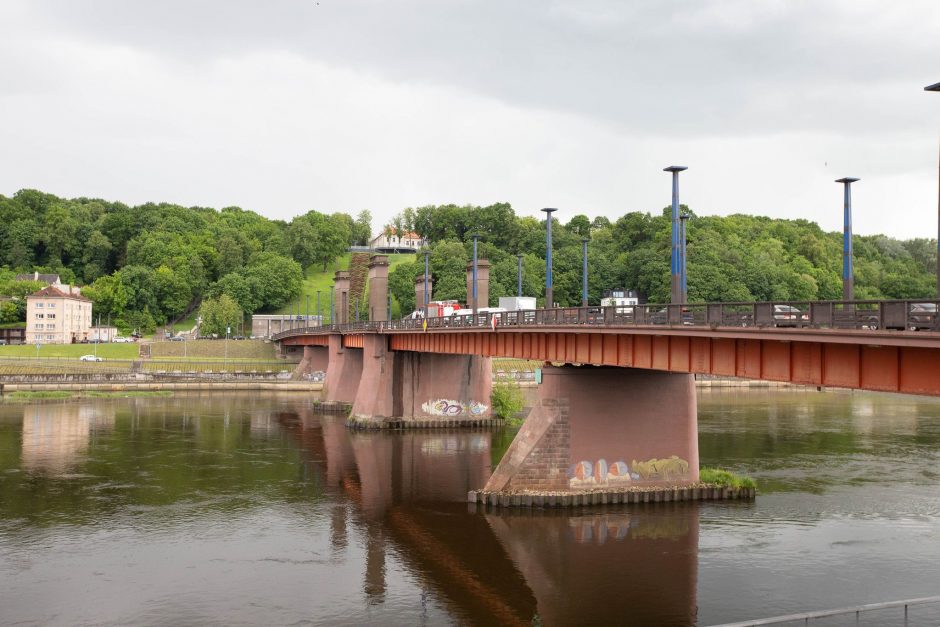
[222, 385]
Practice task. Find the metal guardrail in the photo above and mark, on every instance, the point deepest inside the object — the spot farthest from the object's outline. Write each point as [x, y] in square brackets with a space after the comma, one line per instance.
[872, 315]
[858, 609]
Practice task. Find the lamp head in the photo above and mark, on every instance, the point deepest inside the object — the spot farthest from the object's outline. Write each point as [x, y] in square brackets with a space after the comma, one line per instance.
[848, 179]
[675, 168]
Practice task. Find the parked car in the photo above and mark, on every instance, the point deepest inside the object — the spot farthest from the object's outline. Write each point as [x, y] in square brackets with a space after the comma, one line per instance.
[90, 358]
[923, 316]
[789, 316]
[176, 338]
[3, 342]
[662, 316]
[119, 339]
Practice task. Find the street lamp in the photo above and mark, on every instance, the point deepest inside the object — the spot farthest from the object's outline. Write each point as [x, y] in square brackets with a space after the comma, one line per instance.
[476, 237]
[549, 295]
[684, 265]
[584, 286]
[936, 87]
[426, 254]
[519, 276]
[848, 282]
[676, 293]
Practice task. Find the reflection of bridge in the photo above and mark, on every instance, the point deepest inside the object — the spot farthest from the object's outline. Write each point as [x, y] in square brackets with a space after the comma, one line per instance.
[492, 567]
[631, 418]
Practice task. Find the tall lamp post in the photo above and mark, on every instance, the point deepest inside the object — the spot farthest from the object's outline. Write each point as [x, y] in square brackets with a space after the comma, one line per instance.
[476, 238]
[426, 272]
[676, 265]
[936, 87]
[549, 295]
[848, 280]
[684, 259]
[584, 285]
[519, 276]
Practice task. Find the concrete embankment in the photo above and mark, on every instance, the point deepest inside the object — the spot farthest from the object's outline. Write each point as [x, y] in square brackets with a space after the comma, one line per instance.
[121, 383]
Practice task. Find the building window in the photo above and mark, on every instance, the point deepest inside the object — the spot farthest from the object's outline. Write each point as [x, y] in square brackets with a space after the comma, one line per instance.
[51, 327]
[40, 305]
[52, 304]
[40, 326]
[50, 337]
[40, 316]
[51, 316]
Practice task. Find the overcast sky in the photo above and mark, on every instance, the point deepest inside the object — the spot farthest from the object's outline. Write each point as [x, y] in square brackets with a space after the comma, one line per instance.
[342, 105]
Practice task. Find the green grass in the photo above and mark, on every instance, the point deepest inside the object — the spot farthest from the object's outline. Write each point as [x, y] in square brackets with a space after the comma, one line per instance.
[107, 351]
[725, 478]
[28, 396]
[317, 279]
[213, 349]
[187, 323]
[129, 394]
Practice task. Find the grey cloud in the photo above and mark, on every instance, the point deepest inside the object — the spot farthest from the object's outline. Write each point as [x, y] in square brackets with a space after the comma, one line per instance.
[725, 68]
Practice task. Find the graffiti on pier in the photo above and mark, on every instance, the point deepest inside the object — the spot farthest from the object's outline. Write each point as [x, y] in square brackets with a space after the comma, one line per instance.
[587, 474]
[452, 409]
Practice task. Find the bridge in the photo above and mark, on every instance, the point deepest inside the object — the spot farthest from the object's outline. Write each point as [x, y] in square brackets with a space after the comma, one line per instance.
[616, 406]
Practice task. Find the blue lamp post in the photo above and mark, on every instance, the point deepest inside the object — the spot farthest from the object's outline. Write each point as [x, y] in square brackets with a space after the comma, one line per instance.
[848, 280]
[549, 295]
[676, 266]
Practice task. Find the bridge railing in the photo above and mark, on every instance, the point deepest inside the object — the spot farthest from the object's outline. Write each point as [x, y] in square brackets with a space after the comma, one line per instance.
[897, 315]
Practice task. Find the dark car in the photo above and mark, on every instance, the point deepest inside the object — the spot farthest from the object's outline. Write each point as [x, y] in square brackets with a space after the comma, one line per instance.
[789, 316]
[662, 317]
[923, 316]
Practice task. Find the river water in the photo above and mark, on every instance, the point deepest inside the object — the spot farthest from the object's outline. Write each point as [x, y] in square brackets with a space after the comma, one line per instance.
[252, 509]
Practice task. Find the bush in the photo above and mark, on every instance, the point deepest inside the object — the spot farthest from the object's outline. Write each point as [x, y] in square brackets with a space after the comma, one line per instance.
[725, 478]
[507, 400]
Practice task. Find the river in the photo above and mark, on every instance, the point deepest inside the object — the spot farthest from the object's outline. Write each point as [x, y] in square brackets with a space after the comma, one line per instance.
[251, 509]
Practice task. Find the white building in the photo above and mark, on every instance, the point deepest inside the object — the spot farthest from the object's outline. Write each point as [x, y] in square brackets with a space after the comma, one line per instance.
[620, 298]
[390, 241]
[57, 315]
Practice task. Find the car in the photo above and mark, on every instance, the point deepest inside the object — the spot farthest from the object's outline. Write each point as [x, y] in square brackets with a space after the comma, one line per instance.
[662, 317]
[176, 338]
[90, 358]
[789, 316]
[3, 342]
[119, 339]
[923, 316]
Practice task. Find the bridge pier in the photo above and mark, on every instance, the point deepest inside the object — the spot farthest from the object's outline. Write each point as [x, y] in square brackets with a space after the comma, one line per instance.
[604, 428]
[411, 389]
[343, 372]
[315, 359]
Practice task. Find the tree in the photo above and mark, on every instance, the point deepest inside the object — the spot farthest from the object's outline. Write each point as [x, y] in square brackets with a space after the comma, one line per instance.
[362, 228]
[277, 279]
[314, 238]
[219, 314]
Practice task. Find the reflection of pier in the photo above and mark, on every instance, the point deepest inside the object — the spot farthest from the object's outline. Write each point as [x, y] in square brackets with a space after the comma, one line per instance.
[56, 435]
[497, 568]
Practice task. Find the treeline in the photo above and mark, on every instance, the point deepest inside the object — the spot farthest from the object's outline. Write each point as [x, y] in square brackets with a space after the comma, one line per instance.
[154, 263]
[733, 258]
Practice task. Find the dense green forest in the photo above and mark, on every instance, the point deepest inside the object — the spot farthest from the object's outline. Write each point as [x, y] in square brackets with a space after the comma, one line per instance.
[153, 263]
[733, 258]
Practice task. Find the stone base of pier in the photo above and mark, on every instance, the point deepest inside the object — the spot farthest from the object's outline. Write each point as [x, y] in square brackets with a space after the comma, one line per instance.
[617, 497]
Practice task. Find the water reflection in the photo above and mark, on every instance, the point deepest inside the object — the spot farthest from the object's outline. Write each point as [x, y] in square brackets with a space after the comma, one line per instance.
[56, 435]
[251, 508]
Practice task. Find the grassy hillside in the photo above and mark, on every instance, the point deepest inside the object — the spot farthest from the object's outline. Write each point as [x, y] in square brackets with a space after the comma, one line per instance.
[107, 351]
[317, 279]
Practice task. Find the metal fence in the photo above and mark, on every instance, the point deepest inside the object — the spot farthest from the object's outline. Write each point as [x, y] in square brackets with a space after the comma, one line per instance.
[866, 315]
[806, 617]
[14, 366]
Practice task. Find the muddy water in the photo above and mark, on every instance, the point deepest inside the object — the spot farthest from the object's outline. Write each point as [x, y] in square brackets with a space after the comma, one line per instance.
[252, 509]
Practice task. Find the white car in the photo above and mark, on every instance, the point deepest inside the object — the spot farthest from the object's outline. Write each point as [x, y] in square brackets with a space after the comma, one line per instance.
[119, 339]
[90, 358]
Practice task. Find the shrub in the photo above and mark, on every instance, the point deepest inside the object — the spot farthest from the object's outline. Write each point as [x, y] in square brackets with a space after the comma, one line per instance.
[725, 478]
[507, 399]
